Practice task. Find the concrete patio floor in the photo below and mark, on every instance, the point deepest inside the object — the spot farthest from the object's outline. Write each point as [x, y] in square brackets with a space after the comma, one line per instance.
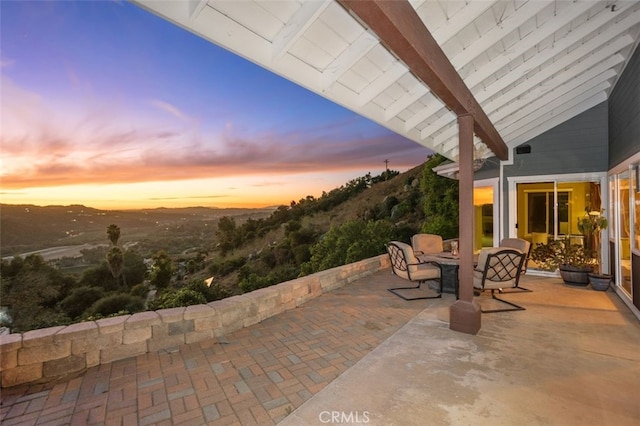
[360, 355]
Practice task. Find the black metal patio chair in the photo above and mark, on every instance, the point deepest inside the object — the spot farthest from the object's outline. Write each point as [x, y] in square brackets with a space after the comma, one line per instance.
[499, 268]
[405, 265]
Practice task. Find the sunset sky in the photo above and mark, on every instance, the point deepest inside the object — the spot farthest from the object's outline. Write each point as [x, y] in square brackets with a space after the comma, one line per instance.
[107, 105]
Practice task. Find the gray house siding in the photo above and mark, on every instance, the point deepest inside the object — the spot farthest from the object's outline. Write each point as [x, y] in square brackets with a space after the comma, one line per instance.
[624, 114]
[579, 145]
[575, 146]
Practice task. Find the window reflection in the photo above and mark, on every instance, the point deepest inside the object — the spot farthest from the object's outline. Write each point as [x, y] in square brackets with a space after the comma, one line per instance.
[625, 231]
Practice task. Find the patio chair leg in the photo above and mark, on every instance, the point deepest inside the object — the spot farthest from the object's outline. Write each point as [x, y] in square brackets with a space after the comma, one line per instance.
[520, 290]
[393, 290]
[514, 308]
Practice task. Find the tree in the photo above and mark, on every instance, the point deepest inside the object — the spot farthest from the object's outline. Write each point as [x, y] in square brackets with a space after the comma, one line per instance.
[135, 270]
[162, 270]
[440, 201]
[228, 236]
[113, 232]
[99, 276]
[80, 299]
[115, 261]
[347, 243]
[115, 256]
[31, 290]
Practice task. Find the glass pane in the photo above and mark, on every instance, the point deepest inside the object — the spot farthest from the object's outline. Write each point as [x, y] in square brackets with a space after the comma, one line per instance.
[535, 211]
[564, 211]
[612, 210]
[625, 231]
[636, 210]
[483, 223]
[538, 212]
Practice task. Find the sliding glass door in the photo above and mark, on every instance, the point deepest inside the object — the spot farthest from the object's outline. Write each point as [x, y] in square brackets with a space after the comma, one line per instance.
[623, 239]
[548, 210]
[624, 230]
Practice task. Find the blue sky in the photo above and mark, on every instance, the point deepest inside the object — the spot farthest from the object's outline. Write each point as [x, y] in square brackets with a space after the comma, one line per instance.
[107, 105]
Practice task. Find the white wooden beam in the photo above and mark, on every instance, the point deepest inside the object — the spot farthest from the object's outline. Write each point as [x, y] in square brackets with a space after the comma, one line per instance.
[296, 26]
[356, 51]
[487, 40]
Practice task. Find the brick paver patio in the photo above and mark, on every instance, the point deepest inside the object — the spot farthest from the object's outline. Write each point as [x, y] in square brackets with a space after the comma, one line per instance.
[256, 375]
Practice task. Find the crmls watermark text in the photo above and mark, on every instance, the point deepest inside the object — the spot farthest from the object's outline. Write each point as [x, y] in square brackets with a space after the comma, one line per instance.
[342, 417]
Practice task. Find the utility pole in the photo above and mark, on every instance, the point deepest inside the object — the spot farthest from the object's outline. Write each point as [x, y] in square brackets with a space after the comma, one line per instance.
[386, 165]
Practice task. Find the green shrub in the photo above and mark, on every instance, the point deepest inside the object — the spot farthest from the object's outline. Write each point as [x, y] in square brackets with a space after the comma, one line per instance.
[440, 201]
[116, 303]
[302, 253]
[140, 290]
[347, 243]
[255, 281]
[210, 293]
[228, 266]
[80, 299]
[176, 298]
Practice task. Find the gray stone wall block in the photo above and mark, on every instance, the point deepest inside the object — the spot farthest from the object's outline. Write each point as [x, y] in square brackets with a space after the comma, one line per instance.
[9, 345]
[300, 292]
[97, 343]
[268, 302]
[234, 312]
[198, 312]
[207, 323]
[285, 292]
[180, 327]
[171, 314]
[114, 353]
[198, 336]
[142, 320]
[48, 351]
[136, 335]
[164, 341]
[81, 330]
[40, 337]
[8, 359]
[10, 342]
[112, 325]
[92, 358]
[21, 374]
[64, 366]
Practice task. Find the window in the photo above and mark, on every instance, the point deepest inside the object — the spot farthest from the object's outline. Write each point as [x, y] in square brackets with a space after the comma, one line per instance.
[541, 216]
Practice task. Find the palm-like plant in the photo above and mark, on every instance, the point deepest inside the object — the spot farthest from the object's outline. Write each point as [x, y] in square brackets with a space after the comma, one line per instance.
[113, 232]
[115, 256]
[115, 260]
[591, 226]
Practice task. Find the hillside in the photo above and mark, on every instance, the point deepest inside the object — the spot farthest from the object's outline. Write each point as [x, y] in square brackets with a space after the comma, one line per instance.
[28, 228]
[180, 257]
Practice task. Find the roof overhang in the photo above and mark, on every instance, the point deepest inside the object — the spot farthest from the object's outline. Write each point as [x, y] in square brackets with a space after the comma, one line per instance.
[530, 65]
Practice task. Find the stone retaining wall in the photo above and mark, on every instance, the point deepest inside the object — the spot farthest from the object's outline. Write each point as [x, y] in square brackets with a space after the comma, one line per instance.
[46, 354]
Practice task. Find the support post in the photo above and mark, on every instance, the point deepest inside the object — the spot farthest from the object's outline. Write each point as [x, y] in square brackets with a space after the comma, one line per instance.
[464, 314]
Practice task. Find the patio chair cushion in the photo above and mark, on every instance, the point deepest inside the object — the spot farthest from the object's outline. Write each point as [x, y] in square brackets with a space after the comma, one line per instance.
[410, 267]
[519, 244]
[427, 243]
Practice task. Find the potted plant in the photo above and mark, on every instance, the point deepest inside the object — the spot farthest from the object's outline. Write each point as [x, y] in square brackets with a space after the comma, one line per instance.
[591, 226]
[570, 259]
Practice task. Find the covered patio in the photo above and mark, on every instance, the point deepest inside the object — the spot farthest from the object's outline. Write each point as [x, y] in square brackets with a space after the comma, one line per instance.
[473, 81]
[360, 353]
